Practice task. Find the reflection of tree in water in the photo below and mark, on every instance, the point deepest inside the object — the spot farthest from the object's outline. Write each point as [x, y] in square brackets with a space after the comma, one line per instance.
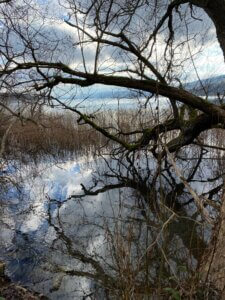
[146, 234]
[150, 236]
[133, 231]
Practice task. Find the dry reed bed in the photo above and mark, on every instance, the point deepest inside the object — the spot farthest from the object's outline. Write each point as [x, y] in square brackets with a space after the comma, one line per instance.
[59, 134]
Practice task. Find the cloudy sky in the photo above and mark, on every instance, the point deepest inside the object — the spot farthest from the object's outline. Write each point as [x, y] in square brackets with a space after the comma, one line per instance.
[47, 17]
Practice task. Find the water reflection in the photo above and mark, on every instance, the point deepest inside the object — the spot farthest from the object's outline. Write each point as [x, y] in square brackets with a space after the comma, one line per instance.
[95, 246]
[26, 237]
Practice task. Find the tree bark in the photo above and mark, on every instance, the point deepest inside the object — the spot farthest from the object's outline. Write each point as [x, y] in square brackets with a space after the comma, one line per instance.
[215, 9]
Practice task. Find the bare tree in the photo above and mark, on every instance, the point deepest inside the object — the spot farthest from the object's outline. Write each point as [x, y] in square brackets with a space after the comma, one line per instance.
[143, 46]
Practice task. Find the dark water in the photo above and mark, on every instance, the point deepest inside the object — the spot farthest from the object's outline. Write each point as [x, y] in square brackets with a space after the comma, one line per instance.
[69, 249]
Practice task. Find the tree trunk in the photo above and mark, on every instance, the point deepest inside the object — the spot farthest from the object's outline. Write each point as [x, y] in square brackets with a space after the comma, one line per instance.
[215, 9]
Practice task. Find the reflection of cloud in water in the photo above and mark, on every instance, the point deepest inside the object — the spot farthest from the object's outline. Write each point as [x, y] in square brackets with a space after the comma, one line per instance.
[81, 227]
[59, 182]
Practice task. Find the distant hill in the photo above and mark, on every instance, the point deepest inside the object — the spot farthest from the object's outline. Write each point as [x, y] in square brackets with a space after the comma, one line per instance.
[212, 86]
[20, 97]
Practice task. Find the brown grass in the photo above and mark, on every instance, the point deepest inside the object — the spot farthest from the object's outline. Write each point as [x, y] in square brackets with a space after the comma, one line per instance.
[59, 134]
